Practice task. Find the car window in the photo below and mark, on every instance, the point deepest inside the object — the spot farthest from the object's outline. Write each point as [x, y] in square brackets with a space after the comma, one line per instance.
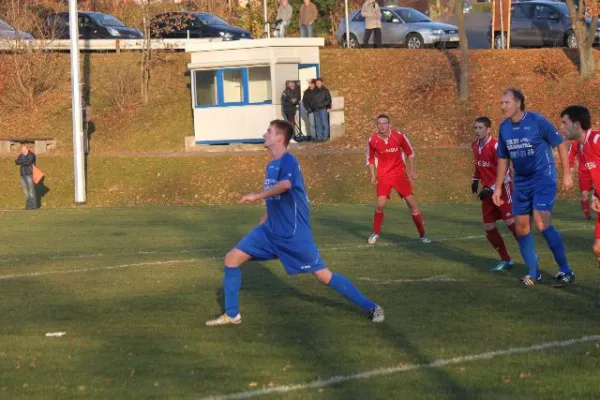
[545, 12]
[210, 19]
[358, 17]
[4, 26]
[409, 15]
[106, 20]
[521, 11]
[387, 16]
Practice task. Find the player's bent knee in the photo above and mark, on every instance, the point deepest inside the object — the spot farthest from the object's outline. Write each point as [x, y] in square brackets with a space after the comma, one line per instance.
[509, 222]
[596, 248]
[324, 275]
[234, 258]
[489, 227]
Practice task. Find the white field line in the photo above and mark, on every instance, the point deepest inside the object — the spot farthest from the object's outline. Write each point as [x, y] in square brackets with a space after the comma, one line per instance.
[71, 271]
[435, 278]
[334, 380]
[323, 249]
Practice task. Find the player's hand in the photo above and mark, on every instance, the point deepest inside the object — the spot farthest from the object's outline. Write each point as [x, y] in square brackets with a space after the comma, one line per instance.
[374, 180]
[412, 175]
[485, 193]
[595, 204]
[497, 197]
[475, 185]
[250, 198]
[567, 182]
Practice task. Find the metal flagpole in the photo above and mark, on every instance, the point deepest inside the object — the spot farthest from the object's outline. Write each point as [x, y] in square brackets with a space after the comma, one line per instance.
[502, 35]
[267, 25]
[76, 106]
[347, 25]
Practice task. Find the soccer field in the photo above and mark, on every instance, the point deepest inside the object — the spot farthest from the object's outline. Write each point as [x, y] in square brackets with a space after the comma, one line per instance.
[132, 288]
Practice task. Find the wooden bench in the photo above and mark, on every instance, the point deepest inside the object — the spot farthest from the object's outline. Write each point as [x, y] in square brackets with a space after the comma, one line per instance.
[40, 145]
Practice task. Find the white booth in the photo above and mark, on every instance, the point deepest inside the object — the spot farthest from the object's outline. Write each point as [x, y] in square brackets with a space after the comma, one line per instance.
[236, 86]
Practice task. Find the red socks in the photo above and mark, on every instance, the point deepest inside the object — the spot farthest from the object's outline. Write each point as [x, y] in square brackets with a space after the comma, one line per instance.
[585, 204]
[418, 220]
[497, 243]
[377, 221]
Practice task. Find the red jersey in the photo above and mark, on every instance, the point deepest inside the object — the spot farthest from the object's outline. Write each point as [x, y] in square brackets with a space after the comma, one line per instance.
[486, 162]
[576, 153]
[591, 156]
[388, 155]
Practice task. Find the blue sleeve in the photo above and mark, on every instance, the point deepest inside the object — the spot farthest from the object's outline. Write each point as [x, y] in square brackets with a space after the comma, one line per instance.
[549, 132]
[288, 169]
[502, 150]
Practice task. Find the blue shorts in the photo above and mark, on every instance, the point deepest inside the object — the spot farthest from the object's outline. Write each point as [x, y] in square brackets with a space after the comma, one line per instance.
[297, 256]
[533, 196]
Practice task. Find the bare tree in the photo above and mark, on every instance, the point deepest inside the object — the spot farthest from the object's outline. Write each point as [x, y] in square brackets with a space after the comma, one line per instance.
[584, 19]
[463, 85]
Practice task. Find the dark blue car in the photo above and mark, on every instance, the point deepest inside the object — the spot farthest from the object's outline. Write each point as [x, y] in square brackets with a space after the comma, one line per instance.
[193, 25]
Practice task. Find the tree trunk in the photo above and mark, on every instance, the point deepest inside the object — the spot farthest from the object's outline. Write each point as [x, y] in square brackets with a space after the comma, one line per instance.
[463, 85]
[587, 63]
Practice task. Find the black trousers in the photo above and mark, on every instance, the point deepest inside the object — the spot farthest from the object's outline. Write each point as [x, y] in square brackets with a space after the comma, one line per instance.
[367, 36]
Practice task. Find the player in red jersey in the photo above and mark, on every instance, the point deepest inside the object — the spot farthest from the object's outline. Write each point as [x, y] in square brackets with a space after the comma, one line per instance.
[385, 158]
[486, 161]
[577, 125]
[585, 179]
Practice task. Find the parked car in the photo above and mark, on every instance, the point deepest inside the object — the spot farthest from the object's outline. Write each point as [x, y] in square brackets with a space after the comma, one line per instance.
[183, 24]
[540, 23]
[92, 25]
[7, 31]
[401, 26]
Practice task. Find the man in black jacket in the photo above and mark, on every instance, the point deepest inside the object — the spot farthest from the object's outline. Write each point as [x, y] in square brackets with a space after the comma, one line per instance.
[307, 104]
[27, 160]
[290, 98]
[321, 104]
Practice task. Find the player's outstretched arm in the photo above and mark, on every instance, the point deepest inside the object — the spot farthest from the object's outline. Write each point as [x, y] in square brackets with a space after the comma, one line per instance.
[412, 166]
[275, 190]
[564, 160]
[500, 175]
[373, 174]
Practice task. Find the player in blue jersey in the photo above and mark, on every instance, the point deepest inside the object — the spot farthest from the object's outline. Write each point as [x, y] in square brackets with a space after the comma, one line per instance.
[284, 232]
[527, 140]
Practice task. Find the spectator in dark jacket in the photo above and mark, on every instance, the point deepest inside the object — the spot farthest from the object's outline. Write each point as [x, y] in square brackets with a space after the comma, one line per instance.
[290, 98]
[27, 160]
[307, 104]
[321, 108]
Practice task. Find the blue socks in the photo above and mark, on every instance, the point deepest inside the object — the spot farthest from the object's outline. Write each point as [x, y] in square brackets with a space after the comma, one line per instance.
[557, 247]
[343, 286]
[232, 282]
[527, 247]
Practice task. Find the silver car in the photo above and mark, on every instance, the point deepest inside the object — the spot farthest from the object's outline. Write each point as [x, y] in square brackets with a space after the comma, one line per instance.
[400, 26]
[7, 31]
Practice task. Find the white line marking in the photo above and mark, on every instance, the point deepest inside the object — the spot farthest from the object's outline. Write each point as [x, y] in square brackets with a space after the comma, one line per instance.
[435, 278]
[58, 256]
[334, 380]
[70, 271]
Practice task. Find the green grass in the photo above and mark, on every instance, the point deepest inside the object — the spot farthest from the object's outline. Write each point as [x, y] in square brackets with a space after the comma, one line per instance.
[132, 287]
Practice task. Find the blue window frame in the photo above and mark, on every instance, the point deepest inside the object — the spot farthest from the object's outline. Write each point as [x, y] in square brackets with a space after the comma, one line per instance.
[217, 88]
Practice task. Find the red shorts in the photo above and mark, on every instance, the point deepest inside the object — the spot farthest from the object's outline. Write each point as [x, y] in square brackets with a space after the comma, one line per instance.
[492, 213]
[585, 181]
[400, 183]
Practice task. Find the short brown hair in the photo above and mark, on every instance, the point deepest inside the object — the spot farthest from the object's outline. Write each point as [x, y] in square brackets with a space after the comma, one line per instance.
[284, 128]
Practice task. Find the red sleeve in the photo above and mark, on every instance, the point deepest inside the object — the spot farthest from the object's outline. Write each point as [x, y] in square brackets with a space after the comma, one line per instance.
[405, 144]
[596, 172]
[572, 154]
[370, 152]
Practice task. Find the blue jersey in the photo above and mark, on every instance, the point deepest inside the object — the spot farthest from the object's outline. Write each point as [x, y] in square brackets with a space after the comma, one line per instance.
[288, 214]
[528, 143]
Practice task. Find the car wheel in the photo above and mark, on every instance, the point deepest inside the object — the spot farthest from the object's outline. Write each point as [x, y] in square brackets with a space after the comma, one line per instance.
[353, 41]
[498, 41]
[415, 41]
[571, 40]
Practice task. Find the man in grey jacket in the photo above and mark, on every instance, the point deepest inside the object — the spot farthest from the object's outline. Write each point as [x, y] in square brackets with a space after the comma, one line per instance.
[372, 15]
[284, 16]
